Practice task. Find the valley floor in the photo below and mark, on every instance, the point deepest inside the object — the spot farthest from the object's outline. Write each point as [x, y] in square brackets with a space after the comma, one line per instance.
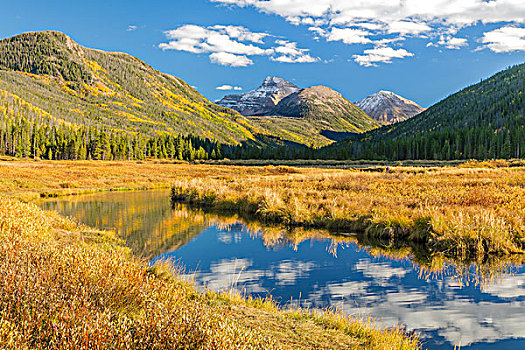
[69, 284]
[466, 211]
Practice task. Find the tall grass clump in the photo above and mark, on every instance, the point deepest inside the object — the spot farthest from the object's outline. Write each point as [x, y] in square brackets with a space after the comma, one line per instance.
[467, 212]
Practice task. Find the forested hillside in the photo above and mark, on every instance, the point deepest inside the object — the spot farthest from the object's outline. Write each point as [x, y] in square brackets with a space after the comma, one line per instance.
[62, 83]
[485, 120]
[27, 131]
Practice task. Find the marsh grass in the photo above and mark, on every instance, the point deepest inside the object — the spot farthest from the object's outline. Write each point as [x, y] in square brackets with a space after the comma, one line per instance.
[465, 213]
[66, 286]
[29, 181]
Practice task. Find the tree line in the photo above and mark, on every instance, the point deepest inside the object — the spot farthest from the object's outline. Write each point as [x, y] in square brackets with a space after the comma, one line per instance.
[468, 143]
[41, 139]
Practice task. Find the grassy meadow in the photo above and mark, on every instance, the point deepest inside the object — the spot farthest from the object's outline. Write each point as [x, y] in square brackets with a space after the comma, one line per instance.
[466, 212]
[67, 286]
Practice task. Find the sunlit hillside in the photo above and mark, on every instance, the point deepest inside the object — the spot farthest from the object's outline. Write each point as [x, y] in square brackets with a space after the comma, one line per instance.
[48, 75]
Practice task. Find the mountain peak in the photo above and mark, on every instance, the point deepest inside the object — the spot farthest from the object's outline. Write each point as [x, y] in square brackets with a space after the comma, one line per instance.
[327, 109]
[49, 53]
[388, 107]
[40, 33]
[271, 79]
[278, 83]
[320, 91]
[386, 92]
[261, 100]
[47, 36]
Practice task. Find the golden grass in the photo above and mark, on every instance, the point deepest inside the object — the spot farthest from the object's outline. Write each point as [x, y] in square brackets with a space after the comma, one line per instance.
[66, 295]
[461, 212]
[65, 286]
[29, 180]
[476, 209]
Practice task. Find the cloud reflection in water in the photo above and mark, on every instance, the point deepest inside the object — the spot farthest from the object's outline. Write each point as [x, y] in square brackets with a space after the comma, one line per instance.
[446, 312]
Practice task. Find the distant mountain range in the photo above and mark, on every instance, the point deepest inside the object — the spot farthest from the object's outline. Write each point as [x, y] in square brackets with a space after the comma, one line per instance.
[271, 99]
[389, 108]
[316, 115]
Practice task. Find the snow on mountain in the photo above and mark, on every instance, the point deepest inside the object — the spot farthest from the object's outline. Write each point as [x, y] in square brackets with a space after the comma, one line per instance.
[261, 100]
[387, 107]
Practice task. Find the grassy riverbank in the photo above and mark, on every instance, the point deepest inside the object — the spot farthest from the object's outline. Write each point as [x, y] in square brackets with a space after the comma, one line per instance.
[66, 286]
[466, 212]
[67, 299]
[29, 180]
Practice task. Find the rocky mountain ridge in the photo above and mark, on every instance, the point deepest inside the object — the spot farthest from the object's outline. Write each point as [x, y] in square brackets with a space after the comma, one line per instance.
[388, 107]
[262, 100]
[317, 115]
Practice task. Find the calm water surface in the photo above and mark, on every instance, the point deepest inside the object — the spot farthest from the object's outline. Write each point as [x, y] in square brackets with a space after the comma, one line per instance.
[317, 269]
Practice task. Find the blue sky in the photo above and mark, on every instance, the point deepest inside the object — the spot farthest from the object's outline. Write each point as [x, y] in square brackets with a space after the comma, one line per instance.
[422, 50]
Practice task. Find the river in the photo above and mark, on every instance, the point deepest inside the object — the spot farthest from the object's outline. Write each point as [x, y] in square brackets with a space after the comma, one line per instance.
[476, 307]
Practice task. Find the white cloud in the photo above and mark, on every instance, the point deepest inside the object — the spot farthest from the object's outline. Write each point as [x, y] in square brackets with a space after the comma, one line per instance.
[306, 21]
[131, 28]
[451, 42]
[369, 25]
[227, 87]
[198, 39]
[380, 54]
[505, 39]
[292, 59]
[288, 52]
[450, 12]
[317, 30]
[377, 22]
[349, 36]
[362, 22]
[408, 27]
[229, 59]
[241, 33]
[233, 45]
